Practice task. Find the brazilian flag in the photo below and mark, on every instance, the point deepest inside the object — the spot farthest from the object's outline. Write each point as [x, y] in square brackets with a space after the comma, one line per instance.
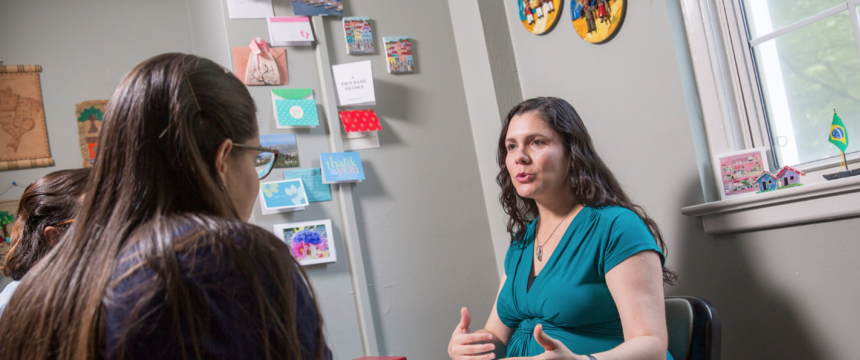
[838, 136]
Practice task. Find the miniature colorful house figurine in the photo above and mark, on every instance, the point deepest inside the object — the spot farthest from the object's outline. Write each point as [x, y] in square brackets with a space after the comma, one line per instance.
[789, 176]
[767, 182]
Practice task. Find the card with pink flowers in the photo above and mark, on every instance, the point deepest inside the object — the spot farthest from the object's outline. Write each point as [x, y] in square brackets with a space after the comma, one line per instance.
[310, 242]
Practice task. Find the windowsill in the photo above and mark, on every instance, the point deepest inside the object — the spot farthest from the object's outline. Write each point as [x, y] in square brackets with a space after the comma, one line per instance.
[810, 203]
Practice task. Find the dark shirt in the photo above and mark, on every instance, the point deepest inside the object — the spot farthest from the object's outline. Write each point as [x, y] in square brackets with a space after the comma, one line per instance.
[228, 319]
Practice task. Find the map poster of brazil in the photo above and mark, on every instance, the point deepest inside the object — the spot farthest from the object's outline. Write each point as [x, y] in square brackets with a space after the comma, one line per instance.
[23, 136]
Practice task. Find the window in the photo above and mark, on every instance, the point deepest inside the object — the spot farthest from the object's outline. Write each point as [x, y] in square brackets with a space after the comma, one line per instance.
[769, 73]
[805, 62]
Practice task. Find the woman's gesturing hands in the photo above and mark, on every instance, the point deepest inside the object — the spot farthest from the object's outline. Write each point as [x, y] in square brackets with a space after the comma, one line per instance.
[466, 346]
[554, 349]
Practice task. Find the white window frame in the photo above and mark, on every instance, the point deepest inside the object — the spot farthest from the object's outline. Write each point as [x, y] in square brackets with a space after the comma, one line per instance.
[725, 76]
[734, 120]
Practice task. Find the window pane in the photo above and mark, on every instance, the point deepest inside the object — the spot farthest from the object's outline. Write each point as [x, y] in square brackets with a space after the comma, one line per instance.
[765, 16]
[804, 75]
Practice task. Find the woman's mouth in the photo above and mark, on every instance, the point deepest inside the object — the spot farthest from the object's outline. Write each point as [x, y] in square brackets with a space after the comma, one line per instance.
[524, 177]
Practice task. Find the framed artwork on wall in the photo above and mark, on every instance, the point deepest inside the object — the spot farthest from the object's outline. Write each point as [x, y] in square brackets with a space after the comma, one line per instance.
[597, 21]
[539, 16]
[310, 242]
[90, 117]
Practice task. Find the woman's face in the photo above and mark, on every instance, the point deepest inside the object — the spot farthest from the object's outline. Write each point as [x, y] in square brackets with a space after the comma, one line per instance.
[242, 181]
[536, 159]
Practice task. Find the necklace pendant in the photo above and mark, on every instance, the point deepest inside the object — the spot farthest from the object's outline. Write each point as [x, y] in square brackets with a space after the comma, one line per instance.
[540, 253]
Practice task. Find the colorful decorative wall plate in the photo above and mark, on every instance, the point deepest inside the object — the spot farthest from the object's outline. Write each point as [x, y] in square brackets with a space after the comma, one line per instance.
[597, 21]
[539, 16]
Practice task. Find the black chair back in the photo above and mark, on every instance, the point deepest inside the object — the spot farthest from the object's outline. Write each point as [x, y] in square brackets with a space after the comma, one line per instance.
[694, 328]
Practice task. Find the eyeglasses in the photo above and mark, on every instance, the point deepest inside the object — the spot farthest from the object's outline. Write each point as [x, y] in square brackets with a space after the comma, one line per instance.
[65, 222]
[264, 162]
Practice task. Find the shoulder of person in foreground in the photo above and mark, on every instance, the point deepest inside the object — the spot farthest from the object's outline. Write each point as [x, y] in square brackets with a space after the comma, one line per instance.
[212, 287]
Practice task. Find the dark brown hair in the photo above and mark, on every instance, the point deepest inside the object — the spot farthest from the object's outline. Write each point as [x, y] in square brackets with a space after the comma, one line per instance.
[592, 182]
[156, 169]
[51, 200]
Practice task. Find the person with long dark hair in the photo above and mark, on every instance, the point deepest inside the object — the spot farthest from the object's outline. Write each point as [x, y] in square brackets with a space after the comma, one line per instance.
[46, 210]
[584, 272]
[160, 262]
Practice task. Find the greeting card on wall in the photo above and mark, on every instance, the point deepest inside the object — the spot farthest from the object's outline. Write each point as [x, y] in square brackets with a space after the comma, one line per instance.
[312, 181]
[259, 64]
[318, 7]
[282, 196]
[290, 31]
[359, 36]
[398, 50]
[359, 123]
[24, 139]
[342, 167]
[739, 171]
[539, 16]
[250, 9]
[354, 83]
[597, 21]
[286, 145]
[310, 242]
[294, 108]
[8, 211]
[90, 115]
[359, 129]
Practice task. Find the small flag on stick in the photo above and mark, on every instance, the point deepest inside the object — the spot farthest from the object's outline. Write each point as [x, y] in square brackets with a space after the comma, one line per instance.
[838, 135]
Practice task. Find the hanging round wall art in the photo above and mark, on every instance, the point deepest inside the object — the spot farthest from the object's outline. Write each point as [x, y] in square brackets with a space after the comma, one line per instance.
[539, 16]
[597, 21]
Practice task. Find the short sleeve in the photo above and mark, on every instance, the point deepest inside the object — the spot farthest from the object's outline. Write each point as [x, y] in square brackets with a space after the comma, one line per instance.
[628, 235]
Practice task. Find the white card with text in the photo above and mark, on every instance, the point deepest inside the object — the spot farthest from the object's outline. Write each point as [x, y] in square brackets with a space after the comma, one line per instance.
[354, 84]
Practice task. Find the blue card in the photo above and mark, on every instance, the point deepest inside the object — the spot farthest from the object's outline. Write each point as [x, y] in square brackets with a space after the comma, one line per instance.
[294, 107]
[284, 195]
[312, 180]
[341, 167]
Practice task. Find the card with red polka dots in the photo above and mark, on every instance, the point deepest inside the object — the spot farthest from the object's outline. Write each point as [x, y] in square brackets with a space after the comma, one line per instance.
[359, 121]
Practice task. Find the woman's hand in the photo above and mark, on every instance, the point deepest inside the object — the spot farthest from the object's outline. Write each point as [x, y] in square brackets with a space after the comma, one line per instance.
[461, 345]
[554, 349]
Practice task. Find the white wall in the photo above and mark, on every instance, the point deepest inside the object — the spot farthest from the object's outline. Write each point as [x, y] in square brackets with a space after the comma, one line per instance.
[782, 294]
[421, 213]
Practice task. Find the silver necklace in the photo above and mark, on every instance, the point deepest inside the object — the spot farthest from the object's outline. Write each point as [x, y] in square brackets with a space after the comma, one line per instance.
[540, 246]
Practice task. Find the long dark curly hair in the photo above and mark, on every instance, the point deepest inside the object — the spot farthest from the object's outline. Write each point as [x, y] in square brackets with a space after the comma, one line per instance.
[592, 182]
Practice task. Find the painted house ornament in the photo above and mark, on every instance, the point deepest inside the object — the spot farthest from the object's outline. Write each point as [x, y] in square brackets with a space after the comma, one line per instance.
[597, 21]
[539, 16]
[786, 177]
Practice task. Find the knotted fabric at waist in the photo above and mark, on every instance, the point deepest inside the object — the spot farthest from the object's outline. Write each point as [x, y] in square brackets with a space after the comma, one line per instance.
[581, 340]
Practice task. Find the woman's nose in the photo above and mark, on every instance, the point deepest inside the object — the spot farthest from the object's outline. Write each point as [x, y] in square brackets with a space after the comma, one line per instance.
[522, 157]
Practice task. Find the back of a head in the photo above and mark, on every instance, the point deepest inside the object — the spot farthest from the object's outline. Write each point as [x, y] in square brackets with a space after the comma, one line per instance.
[50, 201]
[157, 147]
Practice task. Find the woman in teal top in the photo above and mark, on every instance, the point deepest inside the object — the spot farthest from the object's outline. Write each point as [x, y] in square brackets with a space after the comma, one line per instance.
[584, 272]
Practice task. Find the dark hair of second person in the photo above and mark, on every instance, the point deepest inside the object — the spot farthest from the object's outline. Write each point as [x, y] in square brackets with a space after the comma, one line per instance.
[160, 262]
[45, 211]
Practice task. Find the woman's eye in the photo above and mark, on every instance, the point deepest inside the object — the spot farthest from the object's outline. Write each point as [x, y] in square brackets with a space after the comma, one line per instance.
[511, 147]
[537, 142]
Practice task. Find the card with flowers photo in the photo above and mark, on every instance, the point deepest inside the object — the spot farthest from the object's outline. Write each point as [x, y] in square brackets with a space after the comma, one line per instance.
[310, 242]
